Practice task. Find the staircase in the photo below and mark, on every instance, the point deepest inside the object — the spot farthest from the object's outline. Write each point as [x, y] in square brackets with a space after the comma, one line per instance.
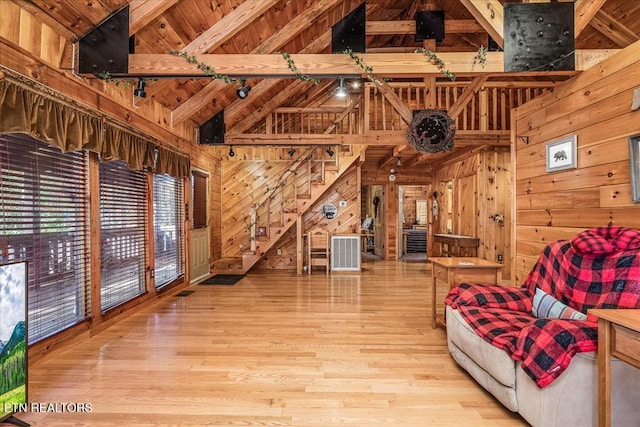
[305, 182]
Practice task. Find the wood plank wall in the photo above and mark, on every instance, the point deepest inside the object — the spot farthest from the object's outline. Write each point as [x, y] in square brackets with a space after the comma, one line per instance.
[482, 187]
[246, 178]
[595, 106]
[410, 194]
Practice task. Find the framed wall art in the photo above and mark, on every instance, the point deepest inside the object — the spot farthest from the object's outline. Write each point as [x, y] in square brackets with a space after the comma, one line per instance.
[562, 154]
[634, 167]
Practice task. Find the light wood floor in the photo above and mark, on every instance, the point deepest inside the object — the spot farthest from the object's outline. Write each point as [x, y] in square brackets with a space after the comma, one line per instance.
[273, 350]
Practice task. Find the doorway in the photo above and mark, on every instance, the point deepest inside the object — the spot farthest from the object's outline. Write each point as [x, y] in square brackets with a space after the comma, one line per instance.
[199, 257]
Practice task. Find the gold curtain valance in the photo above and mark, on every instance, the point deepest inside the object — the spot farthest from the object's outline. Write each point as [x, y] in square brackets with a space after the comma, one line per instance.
[26, 110]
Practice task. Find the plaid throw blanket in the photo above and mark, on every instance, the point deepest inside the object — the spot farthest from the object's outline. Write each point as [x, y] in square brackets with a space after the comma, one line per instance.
[599, 268]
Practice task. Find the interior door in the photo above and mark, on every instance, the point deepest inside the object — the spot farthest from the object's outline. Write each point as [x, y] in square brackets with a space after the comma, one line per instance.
[199, 257]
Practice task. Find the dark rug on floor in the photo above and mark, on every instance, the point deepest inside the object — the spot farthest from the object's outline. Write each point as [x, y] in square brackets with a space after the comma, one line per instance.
[222, 279]
[184, 293]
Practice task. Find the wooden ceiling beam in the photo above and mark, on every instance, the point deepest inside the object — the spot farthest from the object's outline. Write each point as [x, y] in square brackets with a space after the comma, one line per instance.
[490, 15]
[392, 155]
[299, 139]
[383, 138]
[613, 29]
[142, 12]
[229, 26]
[234, 113]
[274, 65]
[584, 11]
[375, 28]
[218, 34]
[333, 65]
[273, 43]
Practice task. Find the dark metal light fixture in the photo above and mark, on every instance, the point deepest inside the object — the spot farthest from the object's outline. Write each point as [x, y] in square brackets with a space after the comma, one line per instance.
[291, 152]
[139, 91]
[399, 162]
[330, 152]
[243, 90]
[231, 152]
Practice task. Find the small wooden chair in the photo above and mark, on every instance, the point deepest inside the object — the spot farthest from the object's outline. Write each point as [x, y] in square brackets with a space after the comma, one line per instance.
[318, 252]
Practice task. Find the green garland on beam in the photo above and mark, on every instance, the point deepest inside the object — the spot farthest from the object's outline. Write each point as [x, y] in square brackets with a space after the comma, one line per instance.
[296, 71]
[206, 68]
[368, 69]
[433, 58]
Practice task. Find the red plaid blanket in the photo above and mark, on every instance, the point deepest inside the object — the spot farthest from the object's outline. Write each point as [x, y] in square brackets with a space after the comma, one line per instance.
[599, 268]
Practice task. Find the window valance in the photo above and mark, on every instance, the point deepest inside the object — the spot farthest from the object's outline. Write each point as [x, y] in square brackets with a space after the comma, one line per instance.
[45, 115]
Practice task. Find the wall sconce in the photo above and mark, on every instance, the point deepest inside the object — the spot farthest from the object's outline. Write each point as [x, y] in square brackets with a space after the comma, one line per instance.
[243, 90]
[341, 91]
[231, 152]
[291, 152]
[139, 91]
[330, 152]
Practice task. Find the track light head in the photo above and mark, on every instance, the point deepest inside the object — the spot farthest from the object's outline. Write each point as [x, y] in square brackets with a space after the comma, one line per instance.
[399, 162]
[291, 152]
[139, 91]
[231, 152]
[330, 152]
[243, 90]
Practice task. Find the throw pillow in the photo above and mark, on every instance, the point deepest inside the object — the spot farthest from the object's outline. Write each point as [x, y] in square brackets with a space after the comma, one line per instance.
[544, 305]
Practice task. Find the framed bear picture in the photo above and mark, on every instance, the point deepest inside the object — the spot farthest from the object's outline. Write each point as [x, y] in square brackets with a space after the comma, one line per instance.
[562, 154]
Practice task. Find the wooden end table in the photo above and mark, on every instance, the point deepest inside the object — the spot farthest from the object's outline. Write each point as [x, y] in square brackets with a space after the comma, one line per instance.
[619, 336]
[456, 270]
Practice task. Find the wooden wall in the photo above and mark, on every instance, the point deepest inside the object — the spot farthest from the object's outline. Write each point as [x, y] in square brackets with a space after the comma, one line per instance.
[410, 194]
[595, 106]
[347, 221]
[246, 179]
[482, 187]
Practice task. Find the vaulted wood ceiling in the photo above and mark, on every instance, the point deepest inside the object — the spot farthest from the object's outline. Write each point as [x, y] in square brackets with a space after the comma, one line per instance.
[258, 27]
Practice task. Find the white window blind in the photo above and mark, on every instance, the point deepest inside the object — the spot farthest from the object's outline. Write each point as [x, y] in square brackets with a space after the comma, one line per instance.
[44, 221]
[123, 215]
[168, 228]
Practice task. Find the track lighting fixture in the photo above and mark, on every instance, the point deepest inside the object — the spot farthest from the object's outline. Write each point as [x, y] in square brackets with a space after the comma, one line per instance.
[139, 91]
[341, 91]
[399, 162]
[330, 152]
[243, 90]
[231, 152]
[291, 152]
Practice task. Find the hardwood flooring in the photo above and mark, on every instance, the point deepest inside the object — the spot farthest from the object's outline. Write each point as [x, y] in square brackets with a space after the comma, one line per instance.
[273, 350]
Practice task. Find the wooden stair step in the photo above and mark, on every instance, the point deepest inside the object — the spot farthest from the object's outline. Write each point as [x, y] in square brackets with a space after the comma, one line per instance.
[304, 196]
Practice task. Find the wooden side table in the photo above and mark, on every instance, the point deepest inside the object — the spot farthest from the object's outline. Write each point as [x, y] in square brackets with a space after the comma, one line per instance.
[619, 336]
[456, 270]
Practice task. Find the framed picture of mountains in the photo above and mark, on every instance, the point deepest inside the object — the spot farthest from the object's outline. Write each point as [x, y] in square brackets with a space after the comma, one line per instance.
[13, 339]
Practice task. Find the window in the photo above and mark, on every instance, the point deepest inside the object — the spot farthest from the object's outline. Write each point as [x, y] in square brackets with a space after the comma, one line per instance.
[44, 221]
[199, 199]
[168, 226]
[123, 214]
